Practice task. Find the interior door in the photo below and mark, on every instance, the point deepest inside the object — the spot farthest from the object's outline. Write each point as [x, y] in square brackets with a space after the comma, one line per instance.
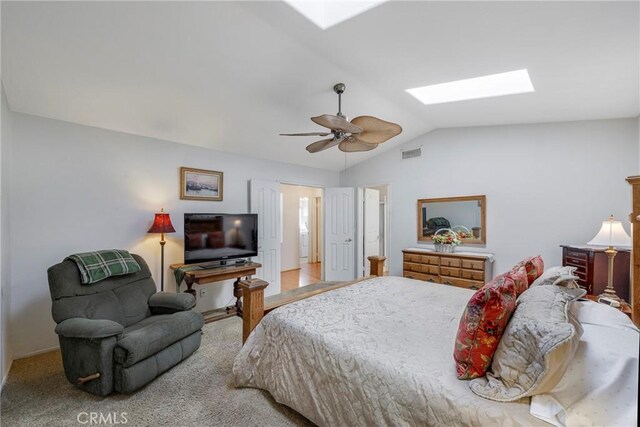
[339, 232]
[265, 201]
[371, 225]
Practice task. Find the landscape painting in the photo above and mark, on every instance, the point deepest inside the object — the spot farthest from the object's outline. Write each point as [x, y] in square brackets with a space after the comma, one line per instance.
[200, 184]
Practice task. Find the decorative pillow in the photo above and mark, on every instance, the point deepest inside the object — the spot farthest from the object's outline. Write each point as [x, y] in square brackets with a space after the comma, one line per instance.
[559, 276]
[536, 348]
[520, 279]
[481, 326]
[534, 266]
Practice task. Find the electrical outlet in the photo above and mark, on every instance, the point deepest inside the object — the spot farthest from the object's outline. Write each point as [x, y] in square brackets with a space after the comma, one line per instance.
[203, 292]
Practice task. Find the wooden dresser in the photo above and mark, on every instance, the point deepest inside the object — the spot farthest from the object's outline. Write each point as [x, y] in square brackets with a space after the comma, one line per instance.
[464, 269]
[592, 265]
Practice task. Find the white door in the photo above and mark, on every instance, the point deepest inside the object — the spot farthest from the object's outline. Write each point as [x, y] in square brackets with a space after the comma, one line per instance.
[265, 201]
[371, 225]
[339, 232]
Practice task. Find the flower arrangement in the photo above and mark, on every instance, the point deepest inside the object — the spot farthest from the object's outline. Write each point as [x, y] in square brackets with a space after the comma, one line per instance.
[448, 238]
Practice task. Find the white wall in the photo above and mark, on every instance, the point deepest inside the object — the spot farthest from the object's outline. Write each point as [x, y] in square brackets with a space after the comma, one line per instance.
[6, 353]
[546, 184]
[77, 188]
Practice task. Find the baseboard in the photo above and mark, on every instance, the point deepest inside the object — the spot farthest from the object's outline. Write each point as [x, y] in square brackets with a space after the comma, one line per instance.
[37, 352]
[291, 269]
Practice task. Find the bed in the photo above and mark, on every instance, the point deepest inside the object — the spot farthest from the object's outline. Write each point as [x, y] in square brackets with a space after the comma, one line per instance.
[374, 353]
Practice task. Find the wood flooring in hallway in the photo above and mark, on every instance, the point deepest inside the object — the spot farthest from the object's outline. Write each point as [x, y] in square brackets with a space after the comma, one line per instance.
[306, 275]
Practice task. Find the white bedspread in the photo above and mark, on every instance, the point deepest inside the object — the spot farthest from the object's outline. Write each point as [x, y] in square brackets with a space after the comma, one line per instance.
[375, 353]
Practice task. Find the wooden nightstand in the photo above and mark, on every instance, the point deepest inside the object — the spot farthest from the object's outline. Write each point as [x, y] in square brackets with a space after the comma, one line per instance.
[624, 307]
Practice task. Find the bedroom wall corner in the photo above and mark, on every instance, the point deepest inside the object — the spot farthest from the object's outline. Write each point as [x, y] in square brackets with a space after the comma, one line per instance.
[546, 184]
[6, 355]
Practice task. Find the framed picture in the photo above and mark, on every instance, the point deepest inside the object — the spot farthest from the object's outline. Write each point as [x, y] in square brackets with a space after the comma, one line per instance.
[200, 184]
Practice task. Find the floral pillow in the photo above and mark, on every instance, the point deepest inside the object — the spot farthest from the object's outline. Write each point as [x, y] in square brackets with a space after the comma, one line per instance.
[520, 279]
[481, 326]
[534, 266]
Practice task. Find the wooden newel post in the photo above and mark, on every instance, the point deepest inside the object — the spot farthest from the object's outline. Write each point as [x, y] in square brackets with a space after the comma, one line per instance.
[634, 218]
[377, 265]
[252, 304]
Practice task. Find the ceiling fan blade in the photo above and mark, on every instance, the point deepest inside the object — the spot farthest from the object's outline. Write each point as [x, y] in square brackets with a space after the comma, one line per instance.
[336, 123]
[354, 146]
[375, 130]
[323, 145]
[306, 134]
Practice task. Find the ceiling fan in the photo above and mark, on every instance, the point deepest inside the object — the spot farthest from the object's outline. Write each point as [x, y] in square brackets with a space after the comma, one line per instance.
[363, 133]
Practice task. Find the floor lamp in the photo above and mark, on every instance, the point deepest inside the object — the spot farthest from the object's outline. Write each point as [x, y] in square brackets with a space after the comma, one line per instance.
[162, 224]
[611, 234]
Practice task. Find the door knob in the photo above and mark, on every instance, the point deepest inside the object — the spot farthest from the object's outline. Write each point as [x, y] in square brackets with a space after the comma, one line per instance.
[348, 240]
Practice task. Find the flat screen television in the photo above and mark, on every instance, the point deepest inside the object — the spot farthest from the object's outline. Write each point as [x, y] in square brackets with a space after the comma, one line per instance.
[219, 237]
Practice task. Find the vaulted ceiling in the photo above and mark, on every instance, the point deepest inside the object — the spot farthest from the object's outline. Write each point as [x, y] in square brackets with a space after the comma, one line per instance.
[232, 75]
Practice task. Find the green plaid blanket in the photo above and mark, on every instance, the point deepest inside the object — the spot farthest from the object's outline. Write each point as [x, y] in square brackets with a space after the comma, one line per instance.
[98, 265]
[178, 273]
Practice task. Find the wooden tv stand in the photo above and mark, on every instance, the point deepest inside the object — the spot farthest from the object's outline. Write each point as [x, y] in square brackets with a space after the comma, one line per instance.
[218, 274]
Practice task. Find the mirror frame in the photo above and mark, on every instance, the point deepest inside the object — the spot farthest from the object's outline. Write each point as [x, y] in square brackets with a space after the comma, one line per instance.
[483, 217]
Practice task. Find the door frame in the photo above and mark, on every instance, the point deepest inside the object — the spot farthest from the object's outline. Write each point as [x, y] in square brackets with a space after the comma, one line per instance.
[360, 269]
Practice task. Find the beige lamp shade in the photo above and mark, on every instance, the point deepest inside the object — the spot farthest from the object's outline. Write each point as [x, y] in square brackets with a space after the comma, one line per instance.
[611, 234]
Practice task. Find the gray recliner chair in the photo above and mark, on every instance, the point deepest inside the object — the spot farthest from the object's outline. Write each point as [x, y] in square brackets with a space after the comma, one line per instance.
[120, 328]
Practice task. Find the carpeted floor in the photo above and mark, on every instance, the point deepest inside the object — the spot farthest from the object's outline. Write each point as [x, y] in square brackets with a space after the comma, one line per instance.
[197, 392]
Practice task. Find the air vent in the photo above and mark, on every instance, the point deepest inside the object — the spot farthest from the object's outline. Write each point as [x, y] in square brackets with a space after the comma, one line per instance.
[410, 154]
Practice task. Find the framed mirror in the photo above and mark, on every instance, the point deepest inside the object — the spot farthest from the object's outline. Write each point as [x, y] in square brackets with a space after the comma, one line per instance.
[464, 215]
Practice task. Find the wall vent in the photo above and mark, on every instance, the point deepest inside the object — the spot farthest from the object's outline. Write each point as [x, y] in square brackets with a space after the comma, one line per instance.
[410, 154]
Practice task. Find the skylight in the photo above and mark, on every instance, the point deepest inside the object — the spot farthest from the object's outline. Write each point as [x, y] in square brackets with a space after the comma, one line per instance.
[327, 13]
[509, 83]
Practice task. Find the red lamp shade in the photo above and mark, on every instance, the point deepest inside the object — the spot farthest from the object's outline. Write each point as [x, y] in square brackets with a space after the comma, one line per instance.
[162, 224]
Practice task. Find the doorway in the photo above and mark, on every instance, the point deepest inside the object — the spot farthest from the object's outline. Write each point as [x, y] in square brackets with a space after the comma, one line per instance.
[373, 231]
[301, 237]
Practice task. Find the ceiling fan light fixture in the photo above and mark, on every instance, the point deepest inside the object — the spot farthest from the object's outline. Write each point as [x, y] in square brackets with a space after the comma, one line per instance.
[501, 84]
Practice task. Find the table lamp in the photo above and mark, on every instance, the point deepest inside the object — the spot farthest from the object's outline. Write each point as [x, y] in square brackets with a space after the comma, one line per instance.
[611, 234]
[162, 224]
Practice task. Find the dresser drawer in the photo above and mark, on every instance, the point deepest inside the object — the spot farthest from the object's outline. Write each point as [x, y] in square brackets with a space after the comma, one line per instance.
[472, 264]
[580, 273]
[429, 259]
[409, 257]
[462, 283]
[421, 276]
[448, 271]
[412, 266]
[472, 274]
[575, 261]
[576, 254]
[430, 269]
[449, 262]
